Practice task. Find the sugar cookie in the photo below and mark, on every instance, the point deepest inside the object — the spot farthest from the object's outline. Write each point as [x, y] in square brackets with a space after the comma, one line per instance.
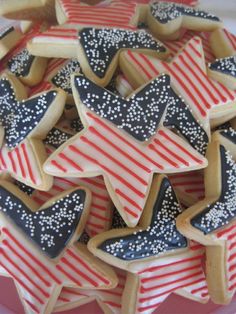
[26, 122]
[211, 222]
[158, 258]
[40, 255]
[110, 144]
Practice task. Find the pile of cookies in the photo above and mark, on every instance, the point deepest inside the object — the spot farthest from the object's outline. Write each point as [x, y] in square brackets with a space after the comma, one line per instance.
[118, 150]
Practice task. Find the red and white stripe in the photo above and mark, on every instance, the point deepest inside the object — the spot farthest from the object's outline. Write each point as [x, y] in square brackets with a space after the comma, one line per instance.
[177, 45]
[181, 272]
[100, 215]
[126, 164]
[37, 276]
[21, 163]
[229, 235]
[189, 186]
[116, 13]
[20, 45]
[70, 298]
[188, 77]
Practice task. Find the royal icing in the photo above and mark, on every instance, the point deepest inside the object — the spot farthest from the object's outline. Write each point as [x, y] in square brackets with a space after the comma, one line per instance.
[161, 235]
[50, 228]
[225, 66]
[221, 212]
[165, 12]
[21, 63]
[188, 77]
[19, 118]
[101, 45]
[95, 152]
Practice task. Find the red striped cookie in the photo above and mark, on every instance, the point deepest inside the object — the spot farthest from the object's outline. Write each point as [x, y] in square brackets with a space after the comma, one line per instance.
[159, 260]
[223, 43]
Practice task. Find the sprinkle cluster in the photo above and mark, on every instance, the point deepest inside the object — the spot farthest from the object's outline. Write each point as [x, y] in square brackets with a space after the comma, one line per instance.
[62, 78]
[20, 118]
[52, 227]
[139, 115]
[101, 45]
[76, 125]
[223, 211]
[56, 137]
[180, 117]
[159, 237]
[21, 63]
[225, 65]
[165, 12]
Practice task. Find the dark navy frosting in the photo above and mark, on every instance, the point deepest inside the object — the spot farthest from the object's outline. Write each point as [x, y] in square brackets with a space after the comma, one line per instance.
[179, 117]
[20, 64]
[165, 12]
[117, 220]
[19, 118]
[62, 78]
[6, 31]
[76, 125]
[52, 228]
[24, 188]
[221, 212]
[160, 237]
[138, 115]
[56, 137]
[101, 45]
[225, 65]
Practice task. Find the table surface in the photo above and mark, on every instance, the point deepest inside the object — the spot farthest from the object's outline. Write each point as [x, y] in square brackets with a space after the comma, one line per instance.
[9, 302]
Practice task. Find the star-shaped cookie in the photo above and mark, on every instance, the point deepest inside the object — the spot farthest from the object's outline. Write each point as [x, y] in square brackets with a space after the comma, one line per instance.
[73, 16]
[38, 247]
[125, 141]
[206, 98]
[158, 258]
[28, 68]
[166, 18]
[211, 222]
[98, 50]
[26, 122]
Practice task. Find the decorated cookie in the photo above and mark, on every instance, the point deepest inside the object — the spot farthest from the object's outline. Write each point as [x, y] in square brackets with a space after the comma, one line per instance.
[111, 145]
[36, 10]
[189, 186]
[108, 300]
[74, 15]
[26, 122]
[211, 222]
[123, 86]
[226, 135]
[9, 37]
[166, 18]
[99, 50]
[38, 251]
[223, 43]
[100, 216]
[28, 68]
[223, 70]
[177, 45]
[159, 259]
[205, 97]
